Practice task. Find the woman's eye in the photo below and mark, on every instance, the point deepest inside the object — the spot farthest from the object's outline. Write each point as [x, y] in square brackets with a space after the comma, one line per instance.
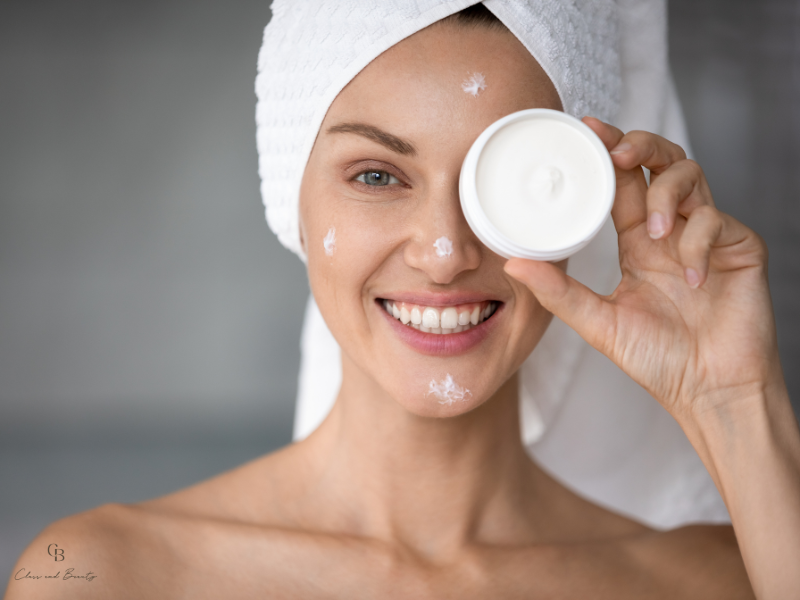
[377, 178]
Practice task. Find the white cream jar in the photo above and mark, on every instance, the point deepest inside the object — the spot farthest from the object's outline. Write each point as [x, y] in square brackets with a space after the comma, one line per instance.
[537, 184]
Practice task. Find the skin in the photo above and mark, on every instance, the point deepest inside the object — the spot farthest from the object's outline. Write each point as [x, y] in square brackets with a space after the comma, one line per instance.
[397, 495]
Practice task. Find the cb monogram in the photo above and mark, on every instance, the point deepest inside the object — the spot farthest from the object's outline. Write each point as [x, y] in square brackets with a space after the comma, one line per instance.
[56, 552]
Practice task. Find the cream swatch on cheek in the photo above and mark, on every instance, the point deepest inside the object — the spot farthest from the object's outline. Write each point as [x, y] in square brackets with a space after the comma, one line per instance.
[475, 84]
[447, 390]
[329, 243]
[443, 246]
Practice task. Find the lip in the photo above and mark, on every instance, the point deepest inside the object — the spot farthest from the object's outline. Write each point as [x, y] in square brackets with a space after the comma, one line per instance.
[451, 344]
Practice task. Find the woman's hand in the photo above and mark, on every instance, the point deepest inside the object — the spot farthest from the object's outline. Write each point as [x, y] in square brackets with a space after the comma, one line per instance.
[691, 320]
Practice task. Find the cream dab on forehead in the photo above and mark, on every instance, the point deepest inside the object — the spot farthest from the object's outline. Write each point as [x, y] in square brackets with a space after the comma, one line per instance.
[443, 246]
[475, 84]
[329, 243]
[447, 390]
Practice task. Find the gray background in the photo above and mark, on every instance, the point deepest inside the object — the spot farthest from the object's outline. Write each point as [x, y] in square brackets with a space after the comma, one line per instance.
[148, 319]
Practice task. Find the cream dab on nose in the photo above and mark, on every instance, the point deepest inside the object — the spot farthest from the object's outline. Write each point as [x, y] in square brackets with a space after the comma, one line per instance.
[443, 246]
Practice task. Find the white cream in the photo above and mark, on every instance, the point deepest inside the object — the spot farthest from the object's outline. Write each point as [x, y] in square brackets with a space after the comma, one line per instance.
[537, 184]
[447, 390]
[443, 247]
[329, 243]
[475, 84]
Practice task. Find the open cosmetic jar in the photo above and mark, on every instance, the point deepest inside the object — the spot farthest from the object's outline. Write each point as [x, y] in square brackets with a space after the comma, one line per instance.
[537, 184]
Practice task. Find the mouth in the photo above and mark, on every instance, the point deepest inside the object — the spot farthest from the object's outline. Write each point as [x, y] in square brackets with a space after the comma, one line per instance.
[443, 320]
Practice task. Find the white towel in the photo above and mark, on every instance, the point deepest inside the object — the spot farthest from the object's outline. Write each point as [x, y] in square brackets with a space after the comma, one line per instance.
[582, 419]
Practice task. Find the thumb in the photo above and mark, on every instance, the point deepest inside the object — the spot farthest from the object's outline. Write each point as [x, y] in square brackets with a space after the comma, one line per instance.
[579, 307]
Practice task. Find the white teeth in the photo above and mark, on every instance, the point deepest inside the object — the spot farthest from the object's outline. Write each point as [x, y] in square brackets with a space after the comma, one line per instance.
[430, 317]
[440, 321]
[449, 318]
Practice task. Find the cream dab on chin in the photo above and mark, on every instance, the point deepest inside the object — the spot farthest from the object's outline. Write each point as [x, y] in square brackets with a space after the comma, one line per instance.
[447, 390]
[443, 246]
[475, 84]
[329, 243]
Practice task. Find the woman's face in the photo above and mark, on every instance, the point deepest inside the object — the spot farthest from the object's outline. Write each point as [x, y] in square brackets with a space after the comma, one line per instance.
[382, 224]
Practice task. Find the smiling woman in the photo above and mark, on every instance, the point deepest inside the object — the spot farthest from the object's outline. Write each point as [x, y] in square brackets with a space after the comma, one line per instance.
[418, 484]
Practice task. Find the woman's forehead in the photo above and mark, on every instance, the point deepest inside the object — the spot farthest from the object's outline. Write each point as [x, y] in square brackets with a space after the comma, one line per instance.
[443, 75]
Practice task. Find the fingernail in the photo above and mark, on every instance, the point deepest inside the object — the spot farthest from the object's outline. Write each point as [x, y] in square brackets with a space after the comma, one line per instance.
[620, 148]
[656, 225]
[692, 278]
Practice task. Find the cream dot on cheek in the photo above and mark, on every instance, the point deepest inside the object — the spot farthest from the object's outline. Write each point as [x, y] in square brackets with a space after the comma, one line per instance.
[443, 246]
[329, 243]
[447, 390]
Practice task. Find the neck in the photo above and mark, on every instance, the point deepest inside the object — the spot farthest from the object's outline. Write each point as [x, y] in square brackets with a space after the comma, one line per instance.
[433, 484]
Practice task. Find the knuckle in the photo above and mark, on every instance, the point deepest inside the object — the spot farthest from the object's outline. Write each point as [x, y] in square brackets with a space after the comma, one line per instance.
[762, 251]
[679, 150]
[693, 168]
[707, 214]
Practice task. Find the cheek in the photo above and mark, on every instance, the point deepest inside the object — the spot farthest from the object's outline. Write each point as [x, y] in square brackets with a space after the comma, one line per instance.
[531, 320]
[347, 245]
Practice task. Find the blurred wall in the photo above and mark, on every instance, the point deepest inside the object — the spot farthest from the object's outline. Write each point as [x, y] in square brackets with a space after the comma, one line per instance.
[140, 287]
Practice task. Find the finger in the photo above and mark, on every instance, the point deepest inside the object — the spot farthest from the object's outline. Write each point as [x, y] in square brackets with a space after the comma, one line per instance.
[572, 302]
[628, 210]
[608, 134]
[642, 148]
[680, 189]
[635, 150]
[707, 229]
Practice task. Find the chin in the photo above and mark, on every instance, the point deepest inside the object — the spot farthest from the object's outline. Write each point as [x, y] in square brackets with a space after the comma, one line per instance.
[441, 395]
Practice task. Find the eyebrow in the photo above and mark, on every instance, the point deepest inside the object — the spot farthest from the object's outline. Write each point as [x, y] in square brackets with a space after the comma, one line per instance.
[392, 142]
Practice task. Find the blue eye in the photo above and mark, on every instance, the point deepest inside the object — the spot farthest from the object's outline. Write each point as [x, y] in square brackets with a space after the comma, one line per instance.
[377, 178]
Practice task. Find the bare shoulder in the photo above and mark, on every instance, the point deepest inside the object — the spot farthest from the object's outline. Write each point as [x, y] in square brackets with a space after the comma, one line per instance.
[702, 560]
[253, 494]
[80, 556]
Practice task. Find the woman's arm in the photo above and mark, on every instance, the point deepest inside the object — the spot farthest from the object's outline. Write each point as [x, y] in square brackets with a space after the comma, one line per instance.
[751, 447]
[692, 322]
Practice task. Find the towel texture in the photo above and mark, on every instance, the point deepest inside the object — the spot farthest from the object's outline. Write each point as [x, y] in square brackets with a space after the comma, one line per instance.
[582, 419]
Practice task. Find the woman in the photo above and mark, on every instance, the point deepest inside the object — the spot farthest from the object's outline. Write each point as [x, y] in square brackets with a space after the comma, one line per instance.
[417, 484]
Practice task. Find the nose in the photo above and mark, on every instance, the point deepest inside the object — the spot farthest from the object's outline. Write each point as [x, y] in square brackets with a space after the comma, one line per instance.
[442, 246]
